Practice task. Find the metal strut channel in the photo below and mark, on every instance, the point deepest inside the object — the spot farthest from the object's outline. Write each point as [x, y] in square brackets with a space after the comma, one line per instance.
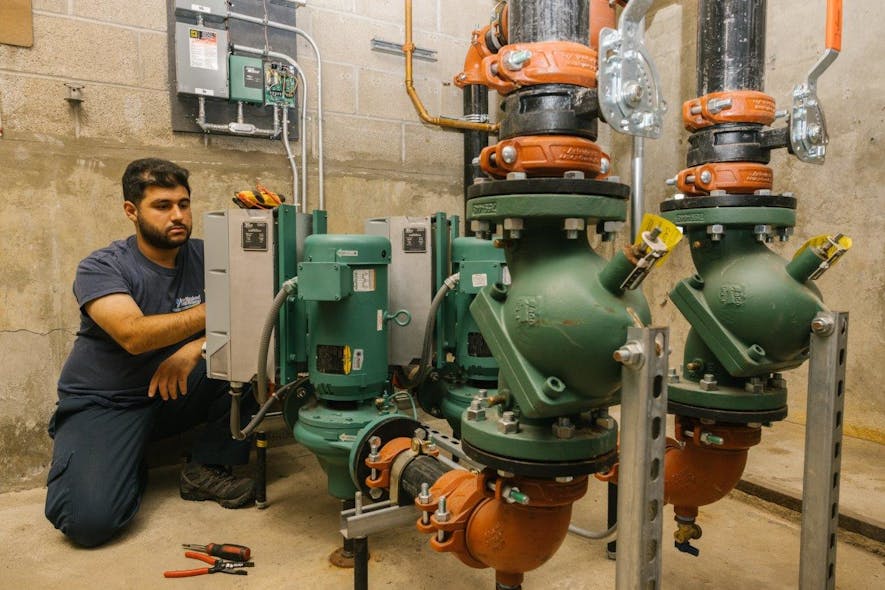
[643, 441]
[823, 451]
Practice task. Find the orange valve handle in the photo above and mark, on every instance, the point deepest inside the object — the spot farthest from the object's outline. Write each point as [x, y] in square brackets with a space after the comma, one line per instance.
[834, 25]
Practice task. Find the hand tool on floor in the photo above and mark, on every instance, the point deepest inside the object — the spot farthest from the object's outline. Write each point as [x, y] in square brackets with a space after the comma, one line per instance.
[218, 565]
[227, 551]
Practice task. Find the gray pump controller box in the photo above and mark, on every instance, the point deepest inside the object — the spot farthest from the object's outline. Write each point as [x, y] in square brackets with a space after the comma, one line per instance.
[239, 268]
[201, 60]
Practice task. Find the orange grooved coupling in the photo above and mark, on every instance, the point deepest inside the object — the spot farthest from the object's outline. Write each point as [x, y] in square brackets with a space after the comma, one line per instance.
[385, 459]
[546, 62]
[734, 106]
[732, 177]
[473, 72]
[544, 155]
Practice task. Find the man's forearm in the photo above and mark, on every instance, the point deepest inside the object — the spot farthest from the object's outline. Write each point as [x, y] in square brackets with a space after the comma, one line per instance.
[151, 332]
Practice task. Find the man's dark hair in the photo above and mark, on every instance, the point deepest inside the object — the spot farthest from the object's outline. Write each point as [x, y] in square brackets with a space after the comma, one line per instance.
[146, 172]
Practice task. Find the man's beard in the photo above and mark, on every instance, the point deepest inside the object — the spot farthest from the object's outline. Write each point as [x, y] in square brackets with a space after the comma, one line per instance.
[159, 239]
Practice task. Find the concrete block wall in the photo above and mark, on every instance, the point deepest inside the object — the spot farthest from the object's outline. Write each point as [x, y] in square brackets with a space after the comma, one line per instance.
[60, 166]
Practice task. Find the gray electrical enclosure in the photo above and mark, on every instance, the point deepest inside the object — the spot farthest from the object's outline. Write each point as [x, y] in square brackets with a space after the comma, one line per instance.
[201, 60]
[410, 282]
[239, 254]
[213, 7]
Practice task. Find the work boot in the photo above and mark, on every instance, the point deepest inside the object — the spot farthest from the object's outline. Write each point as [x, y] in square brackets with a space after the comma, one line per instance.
[217, 483]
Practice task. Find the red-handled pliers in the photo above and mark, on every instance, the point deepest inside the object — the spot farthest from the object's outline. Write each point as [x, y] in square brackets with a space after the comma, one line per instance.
[218, 565]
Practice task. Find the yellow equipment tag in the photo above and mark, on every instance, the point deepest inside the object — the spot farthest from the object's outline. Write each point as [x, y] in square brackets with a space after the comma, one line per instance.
[347, 361]
[670, 233]
[827, 245]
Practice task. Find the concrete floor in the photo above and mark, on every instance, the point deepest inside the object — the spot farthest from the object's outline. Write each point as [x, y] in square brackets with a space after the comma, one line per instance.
[744, 545]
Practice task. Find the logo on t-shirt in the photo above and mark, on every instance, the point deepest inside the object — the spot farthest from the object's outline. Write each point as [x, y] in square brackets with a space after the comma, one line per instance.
[182, 303]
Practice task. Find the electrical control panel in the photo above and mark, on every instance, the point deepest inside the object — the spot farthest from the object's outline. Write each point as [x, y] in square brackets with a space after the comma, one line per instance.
[239, 261]
[246, 79]
[201, 60]
[410, 279]
[279, 84]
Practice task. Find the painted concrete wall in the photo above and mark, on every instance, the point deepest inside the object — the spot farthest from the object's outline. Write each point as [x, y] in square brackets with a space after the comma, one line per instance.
[60, 168]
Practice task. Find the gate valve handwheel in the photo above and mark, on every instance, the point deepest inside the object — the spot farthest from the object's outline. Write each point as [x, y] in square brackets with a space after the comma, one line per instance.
[808, 128]
[630, 98]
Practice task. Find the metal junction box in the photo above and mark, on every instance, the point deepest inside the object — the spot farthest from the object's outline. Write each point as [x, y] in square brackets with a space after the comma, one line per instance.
[410, 279]
[201, 60]
[239, 261]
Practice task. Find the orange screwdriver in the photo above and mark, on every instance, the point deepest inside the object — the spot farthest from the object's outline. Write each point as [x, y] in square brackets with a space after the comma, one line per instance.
[227, 551]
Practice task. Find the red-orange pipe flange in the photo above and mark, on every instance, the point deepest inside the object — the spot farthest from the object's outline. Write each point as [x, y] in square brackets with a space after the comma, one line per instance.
[733, 106]
[698, 472]
[732, 177]
[545, 62]
[543, 155]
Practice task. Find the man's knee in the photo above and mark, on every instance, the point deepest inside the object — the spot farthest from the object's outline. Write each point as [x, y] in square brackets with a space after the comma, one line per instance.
[87, 512]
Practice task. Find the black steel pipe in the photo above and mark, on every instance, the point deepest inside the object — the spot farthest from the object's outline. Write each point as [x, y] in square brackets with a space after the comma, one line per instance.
[549, 20]
[731, 45]
[261, 469]
[611, 548]
[361, 563]
[476, 106]
[422, 469]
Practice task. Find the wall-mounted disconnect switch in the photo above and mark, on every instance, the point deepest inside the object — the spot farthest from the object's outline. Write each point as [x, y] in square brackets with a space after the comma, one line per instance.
[201, 60]
[279, 84]
[246, 79]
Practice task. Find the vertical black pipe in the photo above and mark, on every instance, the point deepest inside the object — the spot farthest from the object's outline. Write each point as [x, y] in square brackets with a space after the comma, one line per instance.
[361, 563]
[549, 20]
[731, 45]
[611, 549]
[261, 466]
[476, 106]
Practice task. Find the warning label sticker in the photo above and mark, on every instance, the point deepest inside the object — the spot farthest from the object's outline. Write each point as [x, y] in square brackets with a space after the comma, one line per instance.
[480, 280]
[358, 359]
[203, 49]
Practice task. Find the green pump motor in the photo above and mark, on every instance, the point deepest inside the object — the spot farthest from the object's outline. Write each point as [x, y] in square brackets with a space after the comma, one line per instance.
[343, 283]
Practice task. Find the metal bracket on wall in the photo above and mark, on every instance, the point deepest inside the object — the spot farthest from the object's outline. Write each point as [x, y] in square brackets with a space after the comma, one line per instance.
[823, 451]
[641, 463]
[397, 49]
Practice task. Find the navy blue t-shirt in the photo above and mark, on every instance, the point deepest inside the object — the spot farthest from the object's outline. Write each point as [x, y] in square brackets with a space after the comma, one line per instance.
[100, 368]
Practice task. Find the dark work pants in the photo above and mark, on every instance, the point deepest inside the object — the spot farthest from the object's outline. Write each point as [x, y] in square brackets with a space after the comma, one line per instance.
[98, 476]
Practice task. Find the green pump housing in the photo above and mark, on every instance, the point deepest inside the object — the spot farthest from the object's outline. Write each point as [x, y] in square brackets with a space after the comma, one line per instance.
[342, 283]
[466, 365]
[750, 310]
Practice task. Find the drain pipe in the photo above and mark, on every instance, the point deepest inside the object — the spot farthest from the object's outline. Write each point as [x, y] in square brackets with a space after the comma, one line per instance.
[316, 51]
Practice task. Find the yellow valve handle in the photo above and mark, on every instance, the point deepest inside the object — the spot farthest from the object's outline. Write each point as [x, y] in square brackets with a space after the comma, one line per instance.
[670, 234]
[826, 245]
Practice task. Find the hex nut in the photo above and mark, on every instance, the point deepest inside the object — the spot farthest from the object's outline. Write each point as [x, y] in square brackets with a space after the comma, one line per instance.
[708, 383]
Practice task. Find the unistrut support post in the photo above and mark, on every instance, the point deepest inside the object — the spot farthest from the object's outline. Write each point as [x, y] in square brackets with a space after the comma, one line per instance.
[641, 469]
[823, 451]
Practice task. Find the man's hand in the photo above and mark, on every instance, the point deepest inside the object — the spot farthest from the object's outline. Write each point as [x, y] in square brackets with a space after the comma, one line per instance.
[170, 379]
